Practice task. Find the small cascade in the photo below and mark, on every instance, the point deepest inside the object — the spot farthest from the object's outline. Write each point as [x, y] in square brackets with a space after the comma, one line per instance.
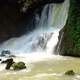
[59, 43]
[45, 37]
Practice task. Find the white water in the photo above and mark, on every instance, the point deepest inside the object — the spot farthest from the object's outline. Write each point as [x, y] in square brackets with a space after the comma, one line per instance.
[43, 39]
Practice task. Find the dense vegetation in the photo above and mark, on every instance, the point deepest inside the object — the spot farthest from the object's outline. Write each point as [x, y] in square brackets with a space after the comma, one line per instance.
[71, 38]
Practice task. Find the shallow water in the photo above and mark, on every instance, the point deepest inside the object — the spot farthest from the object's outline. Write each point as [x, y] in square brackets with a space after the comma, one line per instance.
[46, 69]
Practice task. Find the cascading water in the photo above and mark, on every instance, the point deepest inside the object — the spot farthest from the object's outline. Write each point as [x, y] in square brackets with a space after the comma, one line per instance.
[45, 37]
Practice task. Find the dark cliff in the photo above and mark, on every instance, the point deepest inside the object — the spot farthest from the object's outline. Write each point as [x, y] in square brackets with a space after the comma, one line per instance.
[70, 44]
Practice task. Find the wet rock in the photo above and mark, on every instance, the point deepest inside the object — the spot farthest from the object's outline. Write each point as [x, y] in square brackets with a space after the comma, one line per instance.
[70, 72]
[7, 60]
[9, 63]
[11, 56]
[19, 66]
[16, 66]
[41, 41]
[0, 59]
[5, 53]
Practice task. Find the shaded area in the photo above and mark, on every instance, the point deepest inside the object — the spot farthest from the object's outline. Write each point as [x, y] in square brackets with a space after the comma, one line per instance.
[70, 44]
[17, 16]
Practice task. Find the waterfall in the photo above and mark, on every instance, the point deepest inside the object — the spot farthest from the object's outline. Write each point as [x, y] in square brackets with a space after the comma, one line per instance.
[45, 37]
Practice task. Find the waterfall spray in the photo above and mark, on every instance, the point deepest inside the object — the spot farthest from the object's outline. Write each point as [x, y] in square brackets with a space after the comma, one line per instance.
[45, 37]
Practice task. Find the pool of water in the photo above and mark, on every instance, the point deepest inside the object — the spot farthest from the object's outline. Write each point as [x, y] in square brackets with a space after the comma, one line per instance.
[47, 69]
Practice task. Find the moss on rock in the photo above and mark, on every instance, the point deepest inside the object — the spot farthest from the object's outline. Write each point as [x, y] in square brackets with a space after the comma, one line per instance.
[70, 72]
[19, 66]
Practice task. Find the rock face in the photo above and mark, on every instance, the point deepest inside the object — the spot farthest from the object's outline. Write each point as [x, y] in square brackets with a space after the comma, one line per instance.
[70, 44]
[15, 15]
[41, 41]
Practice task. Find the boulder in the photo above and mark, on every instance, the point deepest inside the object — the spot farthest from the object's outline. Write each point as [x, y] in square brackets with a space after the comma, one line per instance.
[0, 59]
[7, 60]
[16, 66]
[70, 72]
[5, 53]
[9, 63]
[11, 56]
[19, 66]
